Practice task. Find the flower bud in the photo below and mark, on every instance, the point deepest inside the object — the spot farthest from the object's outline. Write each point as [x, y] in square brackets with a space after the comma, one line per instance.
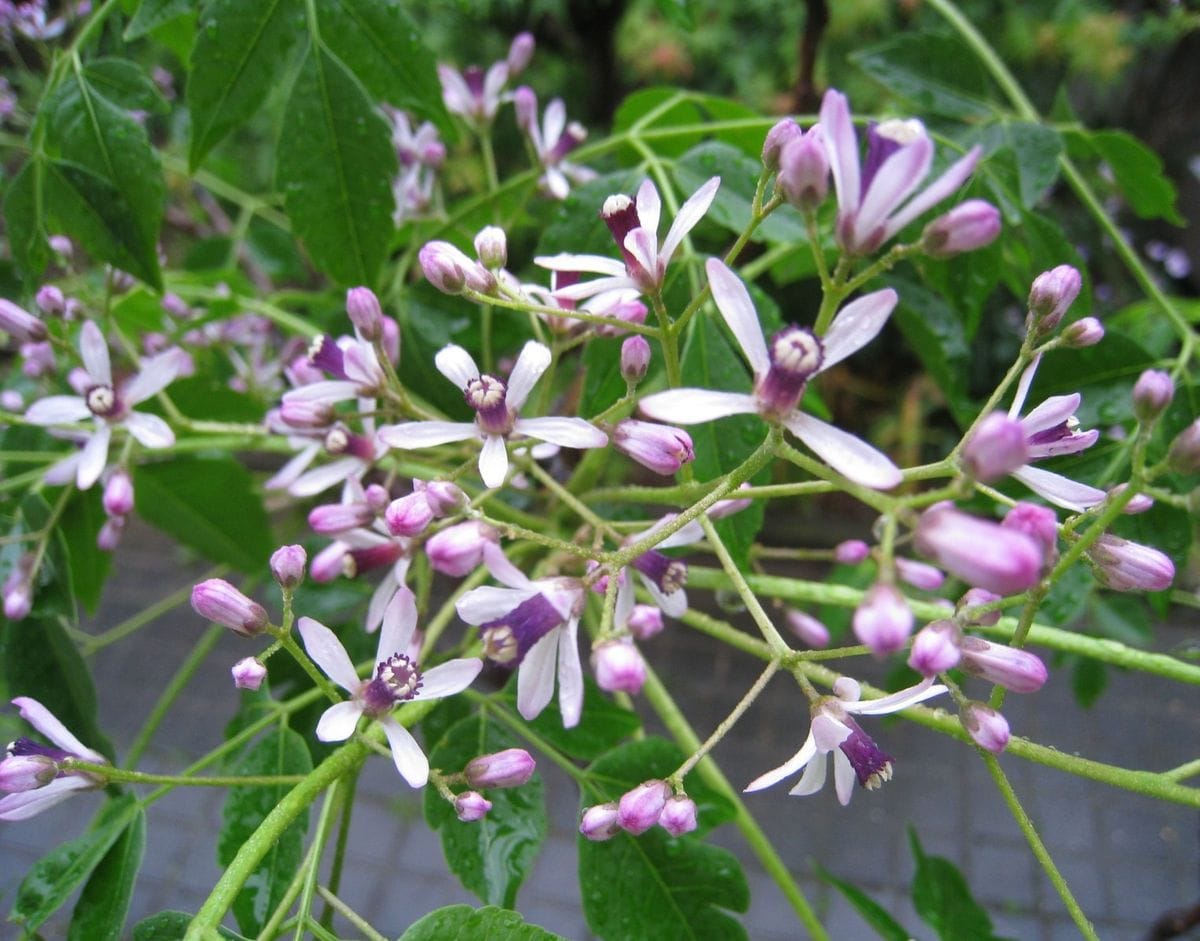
[444, 497]
[62, 245]
[935, 648]
[986, 726]
[362, 306]
[19, 324]
[1129, 566]
[458, 550]
[491, 246]
[408, 515]
[525, 104]
[976, 597]
[968, 226]
[919, 575]
[248, 673]
[619, 667]
[50, 300]
[661, 448]
[519, 53]
[1016, 670]
[18, 589]
[645, 620]
[470, 806]
[391, 340]
[511, 767]
[1038, 523]
[1051, 293]
[110, 534]
[995, 449]
[810, 631]
[287, 565]
[176, 306]
[1086, 332]
[777, 138]
[1152, 393]
[118, 494]
[678, 815]
[1184, 453]
[639, 809]
[306, 413]
[804, 171]
[26, 773]
[851, 552]
[980, 552]
[599, 822]
[12, 401]
[635, 359]
[1138, 503]
[451, 271]
[217, 600]
[882, 619]
[330, 519]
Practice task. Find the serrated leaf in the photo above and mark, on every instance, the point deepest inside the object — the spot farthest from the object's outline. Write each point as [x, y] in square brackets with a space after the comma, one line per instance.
[242, 48]
[25, 220]
[464, 923]
[872, 912]
[124, 84]
[335, 166]
[1139, 174]
[79, 526]
[492, 856]
[172, 926]
[603, 725]
[208, 504]
[378, 41]
[937, 74]
[56, 875]
[104, 903]
[943, 899]
[280, 752]
[152, 14]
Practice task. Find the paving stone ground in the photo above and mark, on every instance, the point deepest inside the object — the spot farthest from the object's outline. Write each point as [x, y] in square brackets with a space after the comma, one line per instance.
[1128, 858]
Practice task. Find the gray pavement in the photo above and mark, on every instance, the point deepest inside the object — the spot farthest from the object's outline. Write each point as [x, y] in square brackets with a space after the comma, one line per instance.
[1128, 858]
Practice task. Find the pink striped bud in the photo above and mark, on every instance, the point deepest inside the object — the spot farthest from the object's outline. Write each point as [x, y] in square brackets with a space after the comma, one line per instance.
[986, 726]
[777, 138]
[330, 519]
[645, 620]
[306, 413]
[1016, 670]
[511, 767]
[110, 534]
[851, 552]
[26, 773]
[806, 627]
[935, 648]
[635, 359]
[968, 226]
[444, 497]
[919, 575]
[458, 550]
[449, 270]
[390, 340]
[973, 598]
[678, 815]
[1184, 453]
[1039, 523]
[217, 600]
[661, 448]
[50, 300]
[600, 822]
[804, 170]
[1152, 393]
[1129, 566]
[882, 619]
[525, 104]
[470, 806]
[176, 306]
[978, 551]
[996, 448]
[519, 53]
[362, 307]
[408, 515]
[287, 565]
[619, 667]
[19, 324]
[1087, 331]
[639, 809]
[118, 493]
[248, 673]
[1051, 293]
[491, 247]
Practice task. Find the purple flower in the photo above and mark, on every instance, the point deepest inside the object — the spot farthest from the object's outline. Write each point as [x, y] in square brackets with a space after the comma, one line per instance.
[964, 228]
[882, 619]
[1152, 393]
[1051, 293]
[1017, 670]
[458, 550]
[935, 648]
[1129, 566]
[217, 600]
[287, 565]
[833, 730]
[600, 822]
[552, 141]
[619, 667]
[395, 680]
[678, 815]
[987, 727]
[635, 359]
[804, 170]
[470, 806]
[639, 809]
[781, 372]
[29, 765]
[661, 448]
[982, 553]
[511, 767]
[248, 673]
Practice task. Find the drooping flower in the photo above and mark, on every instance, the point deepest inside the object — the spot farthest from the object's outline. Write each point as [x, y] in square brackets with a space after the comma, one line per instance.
[782, 369]
[552, 141]
[833, 730]
[395, 680]
[496, 404]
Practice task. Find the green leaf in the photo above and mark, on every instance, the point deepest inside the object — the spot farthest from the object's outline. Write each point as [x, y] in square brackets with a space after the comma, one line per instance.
[653, 886]
[280, 752]
[492, 856]
[56, 875]
[943, 900]
[934, 331]
[1068, 597]
[104, 903]
[25, 219]
[173, 926]
[335, 166]
[1088, 680]
[88, 130]
[208, 504]
[80, 524]
[241, 53]
[678, 12]
[603, 383]
[378, 41]
[872, 912]
[464, 923]
[152, 14]
[1138, 171]
[603, 725]
[1122, 617]
[937, 74]
[1029, 152]
[125, 85]
[661, 109]
[138, 312]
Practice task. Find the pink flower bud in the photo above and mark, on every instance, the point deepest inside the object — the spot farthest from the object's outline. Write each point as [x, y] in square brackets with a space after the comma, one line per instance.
[1016, 670]
[635, 359]
[986, 726]
[1085, 332]
[851, 552]
[21, 325]
[18, 589]
[968, 226]
[777, 138]
[645, 620]
[996, 448]
[110, 534]
[882, 619]
[287, 565]
[1184, 453]
[1129, 566]
[26, 773]
[525, 104]
[935, 648]
[639, 809]
[362, 307]
[678, 815]
[600, 822]
[470, 806]
[391, 340]
[811, 631]
[1152, 393]
[248, 673]
[409, 515]
[919, 575]
[61, 245]
[306, 413]
[1051, 293]
[619, 667]
[980, 552]
[1038, 523]
[973, 598]
[451, 271]
[217, 600]
[458, 550]
[330, 519]
[118, 494]
[12, 401]
[1138, 503]
[491, 246]
[50, 300]
[661, 448]
[511, 767]
[328, 563]
[176, 306]
[519, 53]
[444, 497]
[804, 171]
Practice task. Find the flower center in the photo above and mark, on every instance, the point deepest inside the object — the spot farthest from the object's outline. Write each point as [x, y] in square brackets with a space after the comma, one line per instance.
[508, 639]
[25, 747]
[883, 140]
[101, 401]
[327, 356]
[487, 395]
[336, 440]
[396, 680]
[872, 765]
[795, 356]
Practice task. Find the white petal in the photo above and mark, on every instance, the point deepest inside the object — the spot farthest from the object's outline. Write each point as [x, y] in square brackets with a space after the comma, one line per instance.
[322, 478]
[327, 390]
[449, 678]
[829, 732]
[94, 350]
[556, 183]
[674, 604]
[848, 455]
[504, 571]
[649, 207]
[1059, 490]
[328, 653]
[895, 701]
[787, 769]
[49, 725]
[293, 468]
[535, 676]
[843, 777]
[689, 214]
[456, 364]
[841, 146]
[58, 410]
[493, 461]
[381, 597]
[935, 192]
[150, 430]
[25, 804]
[813, 778]
[1023, 385]
[856, 325]
[570, 676]
[895, 179]
[156, 374]
[686, 535]
[411, 435]
[642, 244]
[406, 753]
[399, 624]
[93, 457]
[533, 361]
[567, 432]
[337, 723]
[61, 472]
[586, 289]
[596, 264]
[733, 301]
[487, 603]
[553, 122]
[693, 406]
[455, 93]
[1051, 413]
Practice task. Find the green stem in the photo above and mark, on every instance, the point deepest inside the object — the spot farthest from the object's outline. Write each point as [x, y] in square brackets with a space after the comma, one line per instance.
[359, 923]
[131, 625]
[121, 776]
